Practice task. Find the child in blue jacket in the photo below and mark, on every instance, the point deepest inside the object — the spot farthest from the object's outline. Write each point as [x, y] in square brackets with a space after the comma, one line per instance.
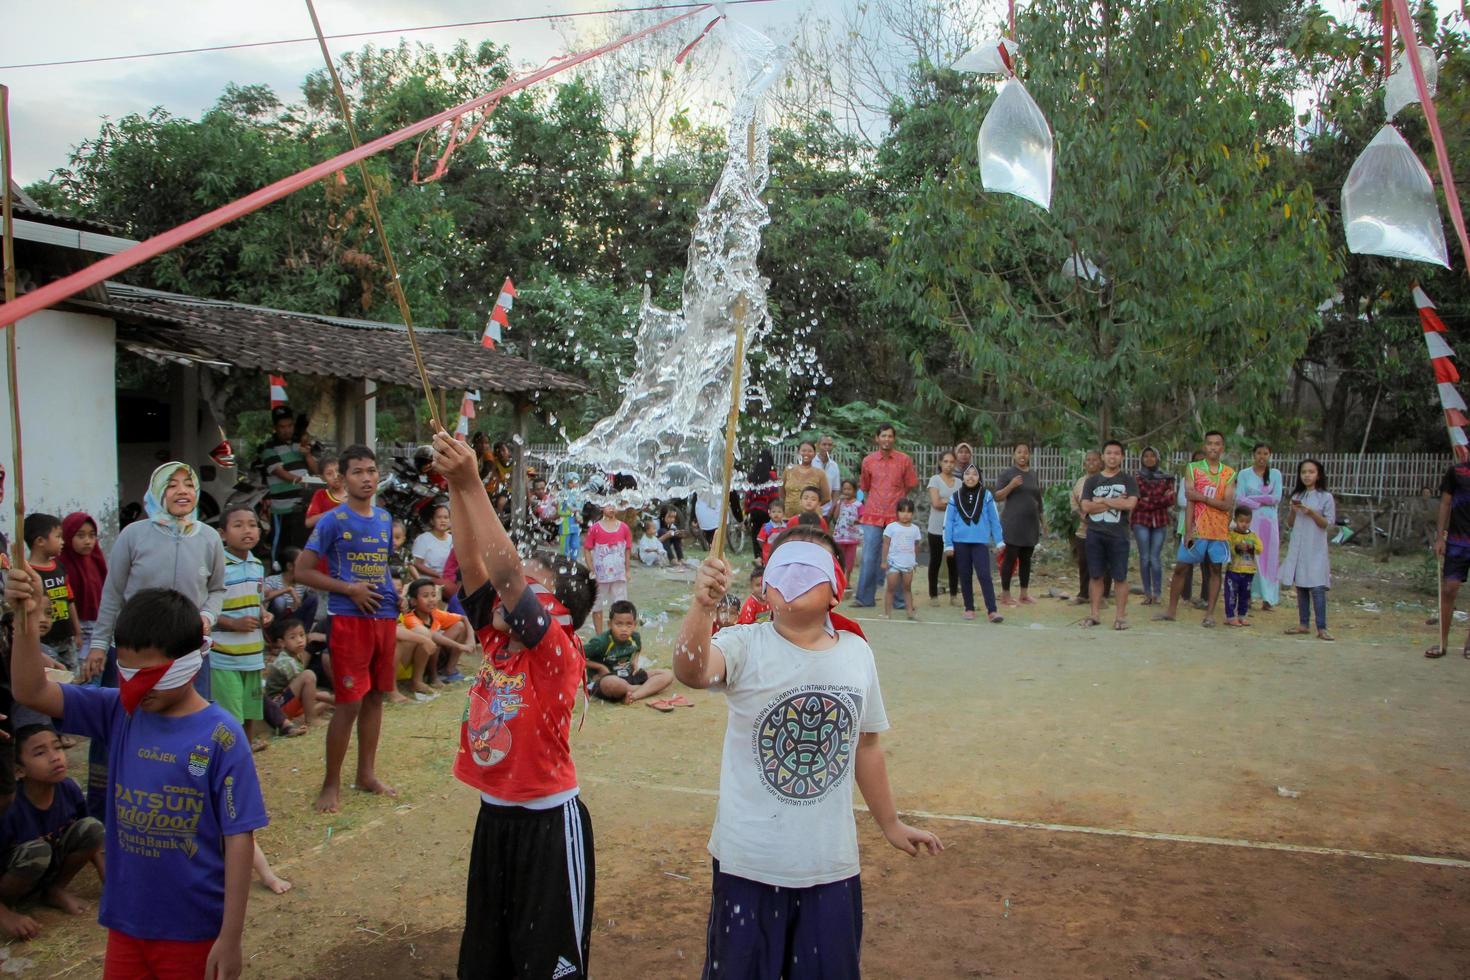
[971, 526]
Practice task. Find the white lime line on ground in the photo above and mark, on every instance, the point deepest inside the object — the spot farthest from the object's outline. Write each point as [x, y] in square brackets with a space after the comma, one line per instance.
[1063, 828]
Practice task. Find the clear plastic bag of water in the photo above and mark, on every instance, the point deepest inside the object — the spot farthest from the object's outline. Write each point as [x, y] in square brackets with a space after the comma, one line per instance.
[1400, 90]
[1016, 146]
[1388, 204]
[987, 58]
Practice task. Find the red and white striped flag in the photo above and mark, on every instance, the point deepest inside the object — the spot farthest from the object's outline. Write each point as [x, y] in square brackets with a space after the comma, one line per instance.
[500, 316]
[278, 390]
[1441, 357]
[466, 415]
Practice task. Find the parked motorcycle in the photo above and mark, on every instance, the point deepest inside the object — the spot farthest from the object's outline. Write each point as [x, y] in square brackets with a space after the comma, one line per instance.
[409, 492]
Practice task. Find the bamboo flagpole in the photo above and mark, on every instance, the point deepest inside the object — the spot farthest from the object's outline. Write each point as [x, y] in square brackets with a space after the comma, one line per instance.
[395, 281]
[1441, 359]
[732, 423]
[12, 375]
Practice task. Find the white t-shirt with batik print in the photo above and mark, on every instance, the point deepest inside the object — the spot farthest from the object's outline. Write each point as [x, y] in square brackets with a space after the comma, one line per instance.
[785, 812]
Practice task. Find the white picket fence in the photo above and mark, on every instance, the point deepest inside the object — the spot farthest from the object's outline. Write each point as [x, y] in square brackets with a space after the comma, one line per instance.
[1375, 475]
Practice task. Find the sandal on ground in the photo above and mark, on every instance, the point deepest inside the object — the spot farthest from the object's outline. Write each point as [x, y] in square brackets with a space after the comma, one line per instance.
[1324, 635]
[1089, 622]
[1120, 624]
[1298, 631]
[660, 705]
[679, 701]
[994, 617]
[969, 614]
[1435, 652]
[1026, 600]
[1208, 622]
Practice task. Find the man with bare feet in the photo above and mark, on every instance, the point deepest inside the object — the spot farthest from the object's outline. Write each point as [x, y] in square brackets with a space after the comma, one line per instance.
[356, 540]
[46, 834]
[1209, 492]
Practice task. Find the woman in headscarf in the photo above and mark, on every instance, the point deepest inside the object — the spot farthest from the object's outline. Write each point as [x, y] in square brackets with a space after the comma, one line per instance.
[1151, 521]
[1259, 488]
[86, 570]
[172, 549]
[971, 528]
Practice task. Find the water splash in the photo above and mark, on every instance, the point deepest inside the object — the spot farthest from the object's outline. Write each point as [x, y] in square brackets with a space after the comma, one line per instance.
[668, 432]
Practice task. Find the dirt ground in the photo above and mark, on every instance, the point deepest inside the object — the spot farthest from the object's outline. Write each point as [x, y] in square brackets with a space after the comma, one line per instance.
[1164, 729]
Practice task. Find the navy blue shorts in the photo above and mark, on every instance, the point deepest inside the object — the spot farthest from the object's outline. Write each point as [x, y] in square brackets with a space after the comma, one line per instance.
[1106, 555]
[761, 932]
[1456, 562]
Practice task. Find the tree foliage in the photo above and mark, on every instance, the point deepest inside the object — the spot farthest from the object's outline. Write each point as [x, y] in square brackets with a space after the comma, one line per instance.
[1168, 178]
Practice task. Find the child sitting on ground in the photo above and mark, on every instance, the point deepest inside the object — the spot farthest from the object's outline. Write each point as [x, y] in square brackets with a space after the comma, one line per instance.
[288, 684]
[772, 528]
[811, 503]
[284, 596]
[671, 536]
[755, 609]
[449, 632]
[174, 902]
[46, 836]
[901, 540]
[1245, 547]
[613, 673]
[650, 550]
[784, 840]
[45, 541]
[530, 915]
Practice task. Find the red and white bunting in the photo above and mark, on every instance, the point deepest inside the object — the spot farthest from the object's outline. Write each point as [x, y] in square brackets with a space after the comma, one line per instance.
[1445, 375]
[466, 415]
[278, 390]
[500, 316]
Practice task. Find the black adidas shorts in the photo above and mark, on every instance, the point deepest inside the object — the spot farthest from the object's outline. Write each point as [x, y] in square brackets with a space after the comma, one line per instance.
[528, 903]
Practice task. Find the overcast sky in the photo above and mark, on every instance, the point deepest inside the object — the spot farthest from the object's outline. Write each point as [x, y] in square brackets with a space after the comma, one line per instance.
[53, 109]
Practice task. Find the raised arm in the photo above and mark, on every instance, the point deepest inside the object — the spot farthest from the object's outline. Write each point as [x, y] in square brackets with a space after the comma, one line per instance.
[697, 662]
[486, 552]
[28, 680]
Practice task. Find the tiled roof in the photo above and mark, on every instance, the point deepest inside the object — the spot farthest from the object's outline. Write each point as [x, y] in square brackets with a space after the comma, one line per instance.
[25, 207]
[301, 343]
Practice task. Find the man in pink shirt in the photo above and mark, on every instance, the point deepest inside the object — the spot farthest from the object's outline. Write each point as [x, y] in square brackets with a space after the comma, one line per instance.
[887, 477]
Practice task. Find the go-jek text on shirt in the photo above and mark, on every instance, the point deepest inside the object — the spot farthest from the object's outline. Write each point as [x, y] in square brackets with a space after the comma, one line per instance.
[178, 787]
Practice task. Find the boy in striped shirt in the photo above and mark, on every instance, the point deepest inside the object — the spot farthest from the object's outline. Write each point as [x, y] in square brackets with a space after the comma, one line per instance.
[237, 658]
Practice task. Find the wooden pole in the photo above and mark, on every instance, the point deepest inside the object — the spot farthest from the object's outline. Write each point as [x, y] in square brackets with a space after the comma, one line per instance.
[395, 281]
[732, 424]
[12, 375]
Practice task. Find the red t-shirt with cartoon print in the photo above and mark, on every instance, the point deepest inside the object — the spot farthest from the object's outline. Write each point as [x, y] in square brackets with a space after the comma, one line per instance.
[514, 738]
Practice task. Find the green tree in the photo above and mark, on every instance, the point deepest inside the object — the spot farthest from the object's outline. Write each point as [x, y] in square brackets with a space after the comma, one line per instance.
[1171, 177]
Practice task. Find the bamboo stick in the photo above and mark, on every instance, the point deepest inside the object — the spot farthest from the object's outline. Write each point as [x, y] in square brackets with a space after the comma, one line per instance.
[732, 424]
[12, 374]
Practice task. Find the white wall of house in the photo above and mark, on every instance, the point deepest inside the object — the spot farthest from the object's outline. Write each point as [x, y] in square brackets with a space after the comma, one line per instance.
[68, 380]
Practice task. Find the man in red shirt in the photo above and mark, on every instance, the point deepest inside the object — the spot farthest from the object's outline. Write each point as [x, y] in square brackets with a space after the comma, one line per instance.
[887, 477]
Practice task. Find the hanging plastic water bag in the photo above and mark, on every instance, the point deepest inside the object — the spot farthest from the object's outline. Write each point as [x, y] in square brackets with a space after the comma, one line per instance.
[1016, 147]
[1388, 204]
[988, 58]
[1081, 267]
[1400, 89]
